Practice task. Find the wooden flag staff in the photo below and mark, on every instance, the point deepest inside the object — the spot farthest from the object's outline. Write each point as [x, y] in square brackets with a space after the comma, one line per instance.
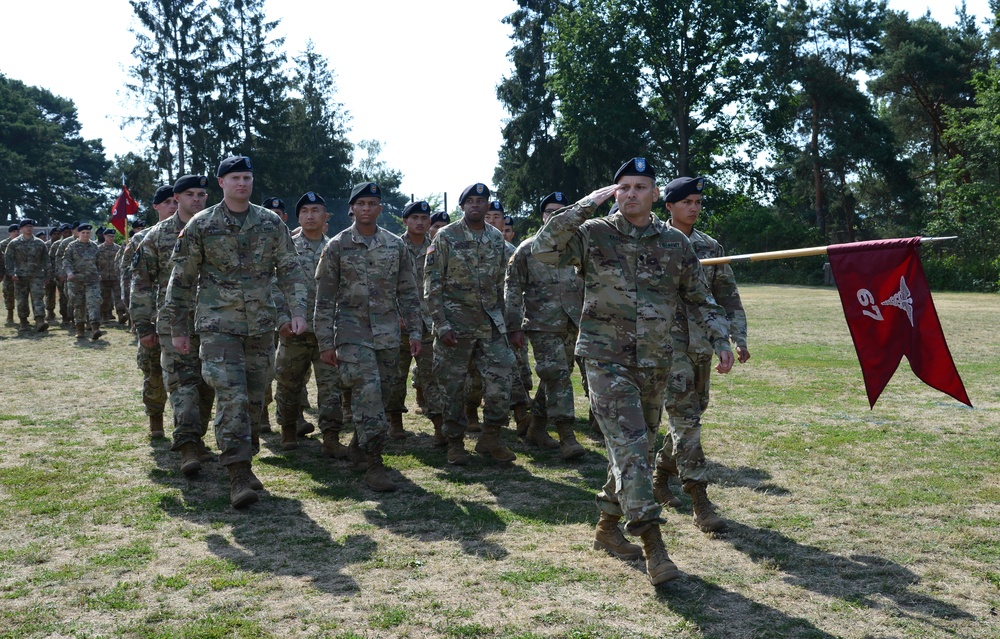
[802, 252]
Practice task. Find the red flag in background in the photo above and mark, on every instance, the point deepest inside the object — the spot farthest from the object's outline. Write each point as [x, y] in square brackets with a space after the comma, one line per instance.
[124, 206]
[889, 310]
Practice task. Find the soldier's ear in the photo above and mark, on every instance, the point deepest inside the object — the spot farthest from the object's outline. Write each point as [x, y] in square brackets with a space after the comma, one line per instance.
[656, 195]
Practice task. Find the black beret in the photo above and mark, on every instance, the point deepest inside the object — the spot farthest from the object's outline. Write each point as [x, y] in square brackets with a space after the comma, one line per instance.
[476, 189]
[190, 182]
[274, 203]
[234, 164]
[12, 228]
[85, 227]
[508, 220]
[109, 231]
[635, 166]
[162, 193]
[683, 187]
[308, 198]
[65, 227]
[26, 222]
[496, 206]
[416, 207]
[365, 189]
[42, 233]
[555, 197]
[75, 226]
[440, 216]
[139, 224]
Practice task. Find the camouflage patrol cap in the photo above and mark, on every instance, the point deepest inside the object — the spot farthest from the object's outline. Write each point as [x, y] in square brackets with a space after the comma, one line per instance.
[365, 189]
[234, 164]
[163, 193]
[190, 182]
[682, 187]
[635, 166]
[308, 198]
[556, 197]
[478, 189]
[416, 207]
[274, 203]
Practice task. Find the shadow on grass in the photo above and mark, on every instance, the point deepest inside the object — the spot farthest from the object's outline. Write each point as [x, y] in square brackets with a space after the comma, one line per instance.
[859, 580]
[275, 537]
[755, 479]
[718, 612]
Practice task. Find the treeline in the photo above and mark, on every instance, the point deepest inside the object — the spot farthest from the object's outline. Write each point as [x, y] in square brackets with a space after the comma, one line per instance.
[817, 122]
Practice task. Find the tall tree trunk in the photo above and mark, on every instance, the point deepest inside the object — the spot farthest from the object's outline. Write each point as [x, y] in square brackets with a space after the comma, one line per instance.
[817, 171]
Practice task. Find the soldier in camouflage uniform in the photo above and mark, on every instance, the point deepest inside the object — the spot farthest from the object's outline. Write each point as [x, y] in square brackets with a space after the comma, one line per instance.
[57, 252]
[545, 302]
[191, 398]
[687, 396]
[107, 266]
[637, 272]
[416, 217]
[223, 263]
[80, 265]
[52, 284]
[8, 284]
[364, 287]
[27, 264]
[147, 358]
[463, 284]
[297, 353]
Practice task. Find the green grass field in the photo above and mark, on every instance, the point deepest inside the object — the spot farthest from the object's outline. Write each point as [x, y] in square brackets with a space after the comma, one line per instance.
[844, 522]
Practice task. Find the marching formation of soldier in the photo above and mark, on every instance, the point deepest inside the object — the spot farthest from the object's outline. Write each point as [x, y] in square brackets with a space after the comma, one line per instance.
[225, 300]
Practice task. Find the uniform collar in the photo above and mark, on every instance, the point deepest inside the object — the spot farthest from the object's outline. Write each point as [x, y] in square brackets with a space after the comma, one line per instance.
[626, 228]
[357, 238]
[471, 235]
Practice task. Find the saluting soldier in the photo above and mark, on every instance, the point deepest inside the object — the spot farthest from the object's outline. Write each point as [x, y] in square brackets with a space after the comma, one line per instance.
[364, 287]
[191, 398]
[691, 369]
[27, 264]
[463, 284]
[223, 262]
[80, 265]
[637, 272]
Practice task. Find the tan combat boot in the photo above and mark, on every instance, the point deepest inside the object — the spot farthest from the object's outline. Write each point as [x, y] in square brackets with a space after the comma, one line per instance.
[289, 439]
[396, 426]
[421, 402]
[303, 427]
[241, 493]
[79, 331]
[609, 538]
[25, 326]
[51, 317]
[569, 448]
[377, 477]
[538, 435]
[190, 465]
[439, 439]
[41, 326]
[665, 468]
[704, 515]
[472, 417]
[522, 419]
[456, 451]
[489, 444]
[10, 317]
[332, 447]
[359, 461]
[96, 332]
[205, 456]
[156, 427]
[659, 568]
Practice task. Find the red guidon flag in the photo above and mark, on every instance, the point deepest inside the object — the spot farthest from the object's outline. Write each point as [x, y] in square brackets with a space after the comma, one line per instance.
[124, 206]
[889, 310]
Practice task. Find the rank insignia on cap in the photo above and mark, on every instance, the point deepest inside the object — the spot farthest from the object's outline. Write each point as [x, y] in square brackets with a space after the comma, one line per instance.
[640, 164]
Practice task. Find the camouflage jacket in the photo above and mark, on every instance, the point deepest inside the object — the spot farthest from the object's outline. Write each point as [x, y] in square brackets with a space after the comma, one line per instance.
[127, 256]
[107, 261]
[540, 297]
[225, 269]
[417, 253]
[150, 269]
[60, 252]
[463, 281]
[27, 258]
[3, 256]
[309, 256]
[634, 281]
[80, 259]
[688, 335]
[361, 291]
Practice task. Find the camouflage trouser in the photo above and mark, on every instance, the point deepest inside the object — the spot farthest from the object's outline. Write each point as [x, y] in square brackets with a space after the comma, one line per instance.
[238, 367]
[493, 360]
[64, 307]
[86, 301]
[396, 402]
[520, 381]
[50, 296]
[8, 292]
[369, 374]
[291, 372]
[628, 402]
[154, 395]
[191, 398]
[687, 399]
[36, 287]
[111, 295]
[553, 363]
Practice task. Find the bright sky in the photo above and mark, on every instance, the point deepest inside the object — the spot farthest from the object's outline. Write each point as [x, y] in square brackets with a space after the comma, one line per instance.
[418, 76]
